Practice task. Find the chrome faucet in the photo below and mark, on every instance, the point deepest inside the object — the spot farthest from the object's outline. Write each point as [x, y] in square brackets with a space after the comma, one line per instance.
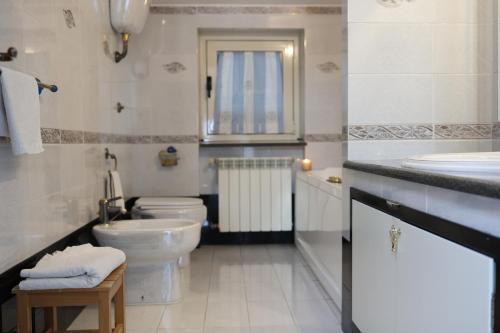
[104, 209]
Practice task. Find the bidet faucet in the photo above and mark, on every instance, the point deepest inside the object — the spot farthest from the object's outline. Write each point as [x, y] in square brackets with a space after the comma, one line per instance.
[104, 207]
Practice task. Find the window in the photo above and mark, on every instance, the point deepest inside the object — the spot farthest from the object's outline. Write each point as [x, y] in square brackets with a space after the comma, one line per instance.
[249, 88]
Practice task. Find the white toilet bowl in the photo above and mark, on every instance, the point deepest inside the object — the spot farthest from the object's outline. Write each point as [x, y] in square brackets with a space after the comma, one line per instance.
[171, 208]
[152, 248]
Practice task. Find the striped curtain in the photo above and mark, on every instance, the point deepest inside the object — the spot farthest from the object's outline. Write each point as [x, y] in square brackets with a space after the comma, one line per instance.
[249, 93]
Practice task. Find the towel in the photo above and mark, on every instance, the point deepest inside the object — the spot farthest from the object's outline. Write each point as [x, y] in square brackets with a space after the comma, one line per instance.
[117, 190]
[21, 110]
[81, 266]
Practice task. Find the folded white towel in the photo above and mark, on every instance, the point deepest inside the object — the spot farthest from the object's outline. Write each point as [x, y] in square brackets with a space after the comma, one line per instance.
[81, 266]
[21, 110]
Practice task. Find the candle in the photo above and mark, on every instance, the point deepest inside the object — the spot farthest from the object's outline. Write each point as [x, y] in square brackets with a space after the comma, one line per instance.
[306, 165]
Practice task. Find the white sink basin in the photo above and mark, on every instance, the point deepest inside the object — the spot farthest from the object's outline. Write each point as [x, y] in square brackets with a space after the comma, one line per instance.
[485, 162]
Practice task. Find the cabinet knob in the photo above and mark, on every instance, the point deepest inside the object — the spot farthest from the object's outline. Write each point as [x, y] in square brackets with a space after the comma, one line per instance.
[395, 234]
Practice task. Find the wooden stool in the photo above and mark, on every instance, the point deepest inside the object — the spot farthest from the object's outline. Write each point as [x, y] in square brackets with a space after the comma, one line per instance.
[102, 295]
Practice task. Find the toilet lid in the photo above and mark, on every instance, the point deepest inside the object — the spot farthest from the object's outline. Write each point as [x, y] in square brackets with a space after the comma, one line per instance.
[151, 202]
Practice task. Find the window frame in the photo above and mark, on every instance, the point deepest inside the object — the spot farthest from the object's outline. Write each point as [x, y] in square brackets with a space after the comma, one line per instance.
[225, 41]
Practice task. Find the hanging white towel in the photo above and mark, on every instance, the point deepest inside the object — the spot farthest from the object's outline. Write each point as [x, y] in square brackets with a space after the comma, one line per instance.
[81, 266]
[4, 131]
[116, 185]
[21, 106]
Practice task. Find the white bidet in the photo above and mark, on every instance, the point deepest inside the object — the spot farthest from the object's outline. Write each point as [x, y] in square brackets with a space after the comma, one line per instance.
[153, 248]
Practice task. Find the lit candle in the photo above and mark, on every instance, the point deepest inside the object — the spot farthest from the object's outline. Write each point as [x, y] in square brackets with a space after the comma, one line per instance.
[306, 165]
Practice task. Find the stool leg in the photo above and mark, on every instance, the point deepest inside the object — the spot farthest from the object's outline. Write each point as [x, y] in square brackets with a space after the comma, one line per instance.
[24, 322]
[50, 316]
[120, 305]
[105, 313]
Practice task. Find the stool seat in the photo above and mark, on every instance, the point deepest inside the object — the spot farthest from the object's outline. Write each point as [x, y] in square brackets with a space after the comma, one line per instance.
[112, 288]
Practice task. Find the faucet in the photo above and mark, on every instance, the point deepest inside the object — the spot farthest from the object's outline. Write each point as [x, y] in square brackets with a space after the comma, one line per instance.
[104, 207]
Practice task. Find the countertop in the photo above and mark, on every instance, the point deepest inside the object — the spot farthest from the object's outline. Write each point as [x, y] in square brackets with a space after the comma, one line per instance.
[483, 185]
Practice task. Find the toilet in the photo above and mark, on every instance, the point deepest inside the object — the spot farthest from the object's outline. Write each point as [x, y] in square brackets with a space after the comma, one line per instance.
[164, 208]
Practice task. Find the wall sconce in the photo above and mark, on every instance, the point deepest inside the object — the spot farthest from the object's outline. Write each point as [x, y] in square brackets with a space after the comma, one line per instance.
[128, 17]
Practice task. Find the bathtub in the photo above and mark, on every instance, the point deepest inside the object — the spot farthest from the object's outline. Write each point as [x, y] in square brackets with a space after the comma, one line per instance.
[318, 227]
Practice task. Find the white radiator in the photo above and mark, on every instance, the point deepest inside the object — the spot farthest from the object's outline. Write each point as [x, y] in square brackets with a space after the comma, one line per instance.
[255, 194]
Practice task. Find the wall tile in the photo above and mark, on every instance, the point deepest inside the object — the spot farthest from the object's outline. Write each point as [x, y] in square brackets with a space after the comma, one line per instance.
[395, 99]
[407, 12]
[390, 48]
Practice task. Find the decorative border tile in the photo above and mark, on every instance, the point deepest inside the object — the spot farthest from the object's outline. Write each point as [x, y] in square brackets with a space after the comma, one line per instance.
[391, 3]
[174, 67]
[328, 67]
[424, 132]
[246, 10]
[496, 131]
[51, 135]
[391, 132]
[463, 131]
[69, 18]
[71, 137]
[334, 137]
[175, 139]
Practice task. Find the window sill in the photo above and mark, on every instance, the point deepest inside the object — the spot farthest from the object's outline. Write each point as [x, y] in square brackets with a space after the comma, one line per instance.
[295, 143]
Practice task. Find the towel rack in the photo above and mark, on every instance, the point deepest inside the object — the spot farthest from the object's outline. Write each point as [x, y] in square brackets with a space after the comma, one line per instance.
[41, 86]
[9, 55]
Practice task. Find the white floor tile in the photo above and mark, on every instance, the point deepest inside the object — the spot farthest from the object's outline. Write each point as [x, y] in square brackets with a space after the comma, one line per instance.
[227, 314]
[301, 289]
[269, 313]
[227, 330]
[226, 272]
[179, 330]
[263, 273]
[274, 329]
[143, 317]
[226, 291]
[238, 289]
[186, 314]
[264, 291]
[314, 317]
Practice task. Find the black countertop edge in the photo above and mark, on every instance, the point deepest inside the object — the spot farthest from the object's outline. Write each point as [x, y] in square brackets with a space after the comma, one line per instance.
[482, 187]
[298, 143]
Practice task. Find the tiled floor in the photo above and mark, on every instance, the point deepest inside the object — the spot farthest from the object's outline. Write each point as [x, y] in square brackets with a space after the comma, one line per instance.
[238, 289]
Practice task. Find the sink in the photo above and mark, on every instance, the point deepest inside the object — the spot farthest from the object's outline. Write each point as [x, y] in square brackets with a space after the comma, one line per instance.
[485, 162]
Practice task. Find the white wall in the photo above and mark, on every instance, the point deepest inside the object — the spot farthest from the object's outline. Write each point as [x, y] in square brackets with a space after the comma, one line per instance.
[169, 102]
[424, 62]
[44, 197]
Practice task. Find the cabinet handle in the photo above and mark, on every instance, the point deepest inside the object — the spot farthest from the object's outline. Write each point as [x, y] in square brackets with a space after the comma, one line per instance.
[394, 233]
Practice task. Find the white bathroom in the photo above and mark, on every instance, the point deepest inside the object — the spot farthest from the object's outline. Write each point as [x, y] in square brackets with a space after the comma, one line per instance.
[249, 166]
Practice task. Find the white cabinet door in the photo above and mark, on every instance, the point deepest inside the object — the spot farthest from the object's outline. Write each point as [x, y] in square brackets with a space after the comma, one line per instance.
[373, 270]
[441, 286]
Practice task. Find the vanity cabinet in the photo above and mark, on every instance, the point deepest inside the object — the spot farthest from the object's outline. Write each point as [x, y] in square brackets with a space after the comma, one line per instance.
[408, 280]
